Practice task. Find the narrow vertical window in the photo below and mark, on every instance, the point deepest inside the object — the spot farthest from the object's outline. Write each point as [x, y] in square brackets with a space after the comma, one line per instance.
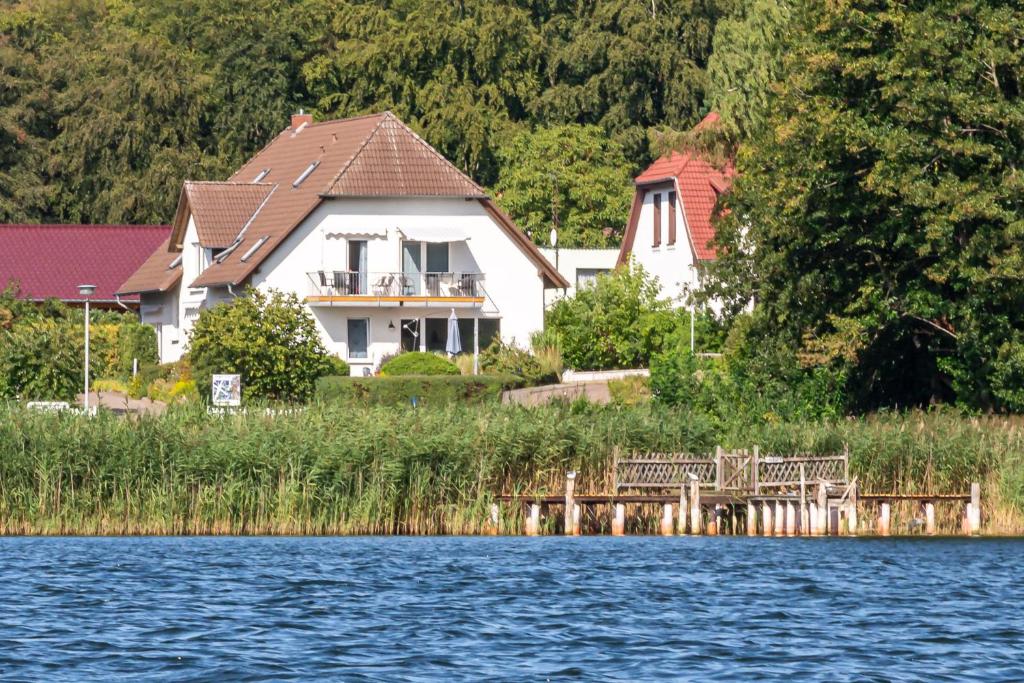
[657, 220]
[671, 218]
[358, 338]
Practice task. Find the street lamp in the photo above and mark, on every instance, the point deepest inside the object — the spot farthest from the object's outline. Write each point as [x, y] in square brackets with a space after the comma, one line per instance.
[86, 291]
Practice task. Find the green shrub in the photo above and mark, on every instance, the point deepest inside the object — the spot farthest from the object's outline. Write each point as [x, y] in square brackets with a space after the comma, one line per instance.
[429, 391]
[506, 359]
[418, 363]
[271, 340]
[110, 385]
[338, 366]
[42, 359]
[629, 391]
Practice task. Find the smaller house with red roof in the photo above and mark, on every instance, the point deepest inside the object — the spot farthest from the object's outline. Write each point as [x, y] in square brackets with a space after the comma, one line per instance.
[49, 261]
[670, 227]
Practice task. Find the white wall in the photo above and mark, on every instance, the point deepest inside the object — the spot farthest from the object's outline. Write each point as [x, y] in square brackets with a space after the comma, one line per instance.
[161, 311]
[512, 285]
[570, 261]
[671, 264]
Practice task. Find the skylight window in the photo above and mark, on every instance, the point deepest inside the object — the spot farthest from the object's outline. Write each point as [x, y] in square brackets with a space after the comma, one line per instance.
[261, 175]
[175, 263]
[305, 174]
[252, 250]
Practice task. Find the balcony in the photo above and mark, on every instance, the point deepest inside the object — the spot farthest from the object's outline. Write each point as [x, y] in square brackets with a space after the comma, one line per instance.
[350, 287]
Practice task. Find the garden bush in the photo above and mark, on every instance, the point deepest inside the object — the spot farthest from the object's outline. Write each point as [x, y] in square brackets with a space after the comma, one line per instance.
[270, 339]
[418, 363]
[427, 390]
[507, 359]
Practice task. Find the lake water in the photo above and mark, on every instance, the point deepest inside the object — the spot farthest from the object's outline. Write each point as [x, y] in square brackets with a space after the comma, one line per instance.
[516, 609]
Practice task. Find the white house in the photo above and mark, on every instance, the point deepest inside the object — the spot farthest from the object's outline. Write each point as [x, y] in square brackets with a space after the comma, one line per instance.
[580, 267]
[670, 230]
[372, 228]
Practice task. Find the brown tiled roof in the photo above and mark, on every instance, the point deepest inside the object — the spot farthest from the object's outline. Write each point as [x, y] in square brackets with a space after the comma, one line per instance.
[396, 161]
[374, 155]
[156, 273]
[220, 210]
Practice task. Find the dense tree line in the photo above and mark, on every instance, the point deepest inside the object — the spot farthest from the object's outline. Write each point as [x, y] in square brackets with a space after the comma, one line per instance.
[105, 107]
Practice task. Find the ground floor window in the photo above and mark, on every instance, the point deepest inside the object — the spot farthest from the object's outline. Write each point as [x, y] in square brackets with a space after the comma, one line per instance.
[410, 336]
[358, 338]
[436, 333]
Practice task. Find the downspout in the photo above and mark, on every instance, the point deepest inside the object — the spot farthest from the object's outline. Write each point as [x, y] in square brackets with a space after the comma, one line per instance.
[117, 298]
[231, 291]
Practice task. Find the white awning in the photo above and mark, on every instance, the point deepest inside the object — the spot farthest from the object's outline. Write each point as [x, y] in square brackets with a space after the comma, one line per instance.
[348, 233]
[430, 233]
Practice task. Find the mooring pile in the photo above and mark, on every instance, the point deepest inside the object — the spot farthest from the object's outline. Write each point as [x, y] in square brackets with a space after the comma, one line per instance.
[735, 492]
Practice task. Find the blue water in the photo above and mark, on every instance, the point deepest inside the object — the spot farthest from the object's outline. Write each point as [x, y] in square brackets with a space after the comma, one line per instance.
[514, 609]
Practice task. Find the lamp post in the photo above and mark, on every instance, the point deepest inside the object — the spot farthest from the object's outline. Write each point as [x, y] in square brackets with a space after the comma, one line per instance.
[86, 291]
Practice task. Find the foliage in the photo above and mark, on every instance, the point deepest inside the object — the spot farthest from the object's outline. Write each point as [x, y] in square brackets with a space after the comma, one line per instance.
[418, 363]
[171, 392]
[426, 390]
[571, 178]
[337, 366]
[270, 339]
[104, 385]
[618, 323]
[42, 359]
[97, 135]
[347, 467]
[877, 217]
[508, 359]
[629, 391]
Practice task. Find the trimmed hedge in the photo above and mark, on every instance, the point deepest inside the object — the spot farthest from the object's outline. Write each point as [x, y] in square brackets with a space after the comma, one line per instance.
[418, 363]
[428, 390]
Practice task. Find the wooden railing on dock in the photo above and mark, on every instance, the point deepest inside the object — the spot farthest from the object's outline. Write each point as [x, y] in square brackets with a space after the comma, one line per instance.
[780, 495]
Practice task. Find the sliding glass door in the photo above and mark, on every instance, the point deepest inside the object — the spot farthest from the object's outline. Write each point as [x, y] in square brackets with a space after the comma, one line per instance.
[412, 269]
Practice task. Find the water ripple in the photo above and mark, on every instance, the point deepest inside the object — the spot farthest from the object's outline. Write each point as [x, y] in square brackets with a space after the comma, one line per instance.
[415, 609]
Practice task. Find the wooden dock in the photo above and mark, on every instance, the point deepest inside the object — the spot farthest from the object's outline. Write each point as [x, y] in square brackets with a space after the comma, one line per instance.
[738, 493]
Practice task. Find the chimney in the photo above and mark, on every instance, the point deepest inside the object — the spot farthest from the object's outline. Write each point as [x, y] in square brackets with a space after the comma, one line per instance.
[301, 119]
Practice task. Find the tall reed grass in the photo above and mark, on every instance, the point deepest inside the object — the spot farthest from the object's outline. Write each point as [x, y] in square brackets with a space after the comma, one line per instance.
[330, 470]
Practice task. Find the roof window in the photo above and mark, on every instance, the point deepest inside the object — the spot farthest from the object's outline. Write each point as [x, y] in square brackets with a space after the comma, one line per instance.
[252, 250]
[175, 263]
[305, 174]
[261, 175]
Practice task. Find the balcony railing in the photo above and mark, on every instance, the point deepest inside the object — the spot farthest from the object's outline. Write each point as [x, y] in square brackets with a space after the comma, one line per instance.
[346, 283]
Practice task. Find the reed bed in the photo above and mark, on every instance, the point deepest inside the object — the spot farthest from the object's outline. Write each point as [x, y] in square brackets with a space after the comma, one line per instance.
[378, 470]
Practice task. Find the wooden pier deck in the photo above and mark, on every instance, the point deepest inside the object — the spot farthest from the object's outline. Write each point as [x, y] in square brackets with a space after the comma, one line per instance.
[741, 492]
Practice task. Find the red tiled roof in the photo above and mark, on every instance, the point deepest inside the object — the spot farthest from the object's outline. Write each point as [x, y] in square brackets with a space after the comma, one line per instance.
[699, 185]
[50, 261]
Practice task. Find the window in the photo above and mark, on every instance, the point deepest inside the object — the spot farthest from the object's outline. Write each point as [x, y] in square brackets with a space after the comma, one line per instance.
[436, 330]
[671, 218]
[586, 277]
[305, 174]
[357, 266]
[358, 338]
[657, 220]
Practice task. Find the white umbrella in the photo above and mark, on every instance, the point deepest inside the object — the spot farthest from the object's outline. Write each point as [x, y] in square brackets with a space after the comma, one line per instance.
[454, 344]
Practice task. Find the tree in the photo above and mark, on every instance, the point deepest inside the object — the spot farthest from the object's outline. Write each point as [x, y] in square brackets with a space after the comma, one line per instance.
[619, 322]
[270, 339]
[572, 178]
[877, 219]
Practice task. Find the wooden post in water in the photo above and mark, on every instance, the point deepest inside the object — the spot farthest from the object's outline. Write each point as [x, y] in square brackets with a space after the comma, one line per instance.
[766, 518]
[619, 522]
[929, 518]
[695, 508]
[712, 526]
[577, 519]
[682, 510]
[822, 509]
[780, 519]
[667, 523]
[812, 519]
[974, 511]
[751, 519]
[533, 521]
[570, 501]
[851, 510]
[884, 519]
[803, 502]
[790, 519]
